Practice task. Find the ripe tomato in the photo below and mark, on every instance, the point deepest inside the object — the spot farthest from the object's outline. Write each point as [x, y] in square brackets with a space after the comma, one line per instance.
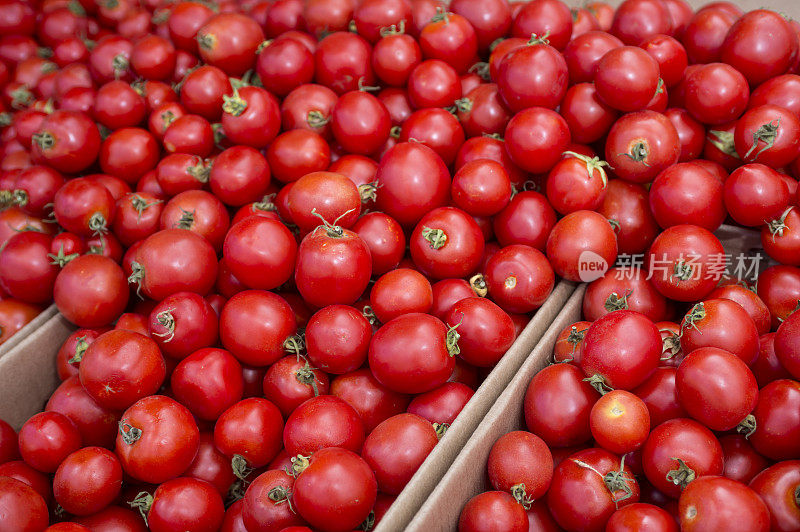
[447, 243]
[620, 422]
[582, 239]
[84, 207]
[239, 175]
[385, 239]
[777, 487]
[685, 262]
[451, 38]
[640, 145]
[183, 323]
[199, 212]
[481, 188]
[87, 481]
[68, 141]
[722, 324]
[716, 93]
[639, 515]
[291, 381]
[786, 345]
[527, 219]
[534, 75]
[442, 405]
[373, 401]
[777, 420]
[229, 41]
[171, 261]
[584, 52]
[319, 196]
[342, 61]
[520, 463]
[565, 425]
[781, 237]
[26, 270]
[208, 382]
[399, 292]
[685, 193]
[519, 278]
[749, 301]
[755, 194]
[603, 482]
[249, 432]
[137, 217]
[677, 451]
[167, 509]
[491, 509]
[46, 439]
[717, 503]
[618, 290]
[254, 324]
[768, 134]
[265, 504]
[626, 78]
[544, 17]
[22, 508]
[360, 122]
[92, 303]
[779, 288]
[422, 361]
[260, 252]
[535, 139]
[333, 266]
[484, 331]
[396, 448]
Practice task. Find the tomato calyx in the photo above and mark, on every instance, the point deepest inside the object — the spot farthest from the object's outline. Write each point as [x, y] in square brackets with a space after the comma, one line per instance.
[60, 259]
[142, 502]
[437, 238]
[241, 469]
[97, 223]
[21, 98]
[137, 276]
[536, 39]
[200, 171]
[366, 88]
[331, 229]
[368, 191]
[766, 133]
[747, 426]
[206, 41]
[697, 313]
[451, 340]
[299, 464]
[80, 348]
[615, 302]
[295, 344]
[478, 284]
[76, 8]
[638, 153]
[481, 68]
[682, 271]
[280, 495]
[519, 494]
[723, 141]
[316, 119]
[265, 204]
[797, 495]
[615, 225]
[670, 345]
[778, 226]
[441, 15]
[441, 429]
[129, 433]
[140, 204]
[614, 480]
[306, 376]
[119, 65]
[369, 522]
[264, 44]
[682, 476]
[394, 29]
[186, 220]
[598, 382]
[395, 131]
[44, 139]
[233, 104]
[166, 320]
[369, 314]
[592, 164]
[5, 119]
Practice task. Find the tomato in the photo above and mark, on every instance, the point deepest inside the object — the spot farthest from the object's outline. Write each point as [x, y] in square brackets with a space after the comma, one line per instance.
[114, 516]
[446, 243]
[254, 324]
[748, 33]
[334, 490]
[373, 401]
[265, 505]
[9, 448]
[229, 41]
[385, 239]
[777, 420]
[557, 405]
[46, 439]
[640, 145]
[87, 481]
[284, 64]
[660, 394]
[171, 261]
[95, 303]
[706, 32]
[767, 367]
[250, 117]
[717, 503]
[527, 219]
[485, 332]
[167, 508]
[490, 510]
[22, 508]
[544, 17]
[618, 290]
[190, 134]
[200, 212]
[685, 193]
[291, 380]
[239, 175]
[207, 382]
[545, 88]
[521, 464]
[308, 107]
[620, 422]
[26, 270]
[451, 38]
[360, 122]
[677, 451]
[708, 324]
[716, 93]
[260, 252]
[638, 20]
[424, 359]
[84, 207]
[779, 237]
[437, 129]
[582, 239]
[536, 138]
[640, 516]
[749, 301]
[626, 78]
[35, 187]
[786, 348]
[249, 432]
[333, 266]
[777, 487]
[67, 141]
[584, 52]
[768, 134]
[342, 61]
[779, 288]
[319, 196]
[442, 405]
[685, 262]
[755, 194]
[603, 482]
[519, 278]
[742, 462]
[183, 323]
[570, 341]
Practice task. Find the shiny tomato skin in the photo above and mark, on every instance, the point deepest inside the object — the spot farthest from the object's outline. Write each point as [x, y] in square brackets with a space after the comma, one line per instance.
[22, 508]
[584, 52]
[399, 292]
[641, 516]
[373, 401]
[485, 511]
[451, 246]
[567, 425]
[291, 381]
[87, 481]
[170, 511]
[250, 429]
[777, 486]
[786, 344]
[520, 457]
[336, 492]
[687, 194]
[183, 323]
[519, 278]
[527, 219]
[208, 382]
[344, 427]
[719, 503]
[617, 290]
[626, 78]
[640, 145]
[574, 236]
[443, 404]
[26, 269]
[485, 331]
[385, 238]
[254, 325]
[749, 301]
[535, 138]
[722, 324]
[260, 252]
[683, 439]
[620, 422]
[260, 512]
[550, 17]
[777, 420]
[758, 28]
[534, 75]
[46, 439]
[779, 147]
[91, 304]
[421, 363]
[716, 93]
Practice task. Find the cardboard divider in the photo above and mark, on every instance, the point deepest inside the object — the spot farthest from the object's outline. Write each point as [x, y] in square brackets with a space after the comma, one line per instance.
[28, 329]
[28, 369]
[439, 461]
[466, 475]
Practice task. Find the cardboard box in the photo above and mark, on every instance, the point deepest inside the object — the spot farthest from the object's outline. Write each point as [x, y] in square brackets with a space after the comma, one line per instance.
[467, 475]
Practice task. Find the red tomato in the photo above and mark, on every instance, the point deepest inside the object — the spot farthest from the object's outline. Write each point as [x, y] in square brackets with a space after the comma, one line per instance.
[777, 487]
[660, 395]
[167, 508]
[22, 508]
[249, 432]
[490, 510]
[639, 516]
[27, 272]
[685, 193]
[742, 462]
[540, 152]
[91, 303]
[260, 252]
[627, 204]
[265, 504]
[183, 323]
[208, 382]
[484, 331]
[768, 134]
[291, 380]
[87, 481]
[716, 93]
[520, 463]
[626, 77]
[534, 75]
[620, 289]
[46, 439]
[641, 145]
[229, 41]
[544, 17]
[581, 246]
[584, 52]
[385, 239]
[447, 243]
[777, 420]
[715, 502]
[519, 278]
[723, 324]
[319, 196]
[620, 422]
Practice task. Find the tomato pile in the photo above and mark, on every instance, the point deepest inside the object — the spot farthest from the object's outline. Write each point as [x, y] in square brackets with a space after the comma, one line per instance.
[296, 235]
